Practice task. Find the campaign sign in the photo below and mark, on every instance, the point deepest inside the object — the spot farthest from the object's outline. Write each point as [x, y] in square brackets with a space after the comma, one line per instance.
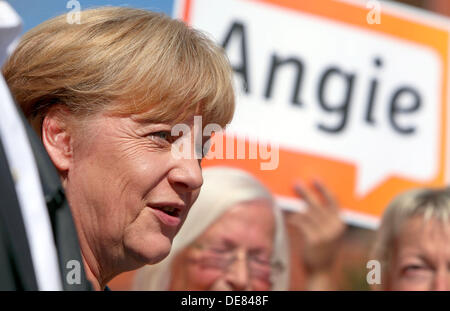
[354, 95]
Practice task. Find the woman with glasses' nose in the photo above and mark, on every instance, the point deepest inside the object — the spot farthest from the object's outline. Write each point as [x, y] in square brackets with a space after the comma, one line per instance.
[233, 239]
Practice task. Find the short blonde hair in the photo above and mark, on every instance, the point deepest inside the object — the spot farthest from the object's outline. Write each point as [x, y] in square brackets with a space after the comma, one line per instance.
[139, 60]
[429, 203]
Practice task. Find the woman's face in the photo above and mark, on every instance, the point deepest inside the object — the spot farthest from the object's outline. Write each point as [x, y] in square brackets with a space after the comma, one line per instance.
[128, 194]
[232, 254]
[421, 259]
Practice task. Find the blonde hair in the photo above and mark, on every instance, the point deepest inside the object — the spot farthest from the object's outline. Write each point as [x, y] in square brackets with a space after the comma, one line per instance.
[429, 203]
[124, 61]
[222, 189]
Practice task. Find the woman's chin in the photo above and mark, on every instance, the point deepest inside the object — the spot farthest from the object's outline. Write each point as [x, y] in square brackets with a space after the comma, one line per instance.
[149, 251]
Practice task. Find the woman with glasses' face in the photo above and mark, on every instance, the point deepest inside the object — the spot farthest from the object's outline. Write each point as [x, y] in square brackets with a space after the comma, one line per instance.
[232, 254]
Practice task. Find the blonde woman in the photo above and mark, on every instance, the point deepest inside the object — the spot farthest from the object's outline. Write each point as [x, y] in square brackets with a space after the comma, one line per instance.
[103, 95]
[413, 242]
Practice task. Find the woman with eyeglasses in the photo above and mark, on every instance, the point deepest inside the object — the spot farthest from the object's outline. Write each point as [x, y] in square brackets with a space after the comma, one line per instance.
[233, 239]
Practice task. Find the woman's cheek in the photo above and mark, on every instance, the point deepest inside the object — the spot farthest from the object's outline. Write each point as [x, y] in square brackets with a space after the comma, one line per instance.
[260, 286]
[204, 279]
[402, 282]
[414, 285]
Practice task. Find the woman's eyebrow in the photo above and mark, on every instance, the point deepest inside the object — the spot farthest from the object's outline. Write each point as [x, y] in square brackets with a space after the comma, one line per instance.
[145, 118]
[146, 124]
[227, 242]
[418, 254]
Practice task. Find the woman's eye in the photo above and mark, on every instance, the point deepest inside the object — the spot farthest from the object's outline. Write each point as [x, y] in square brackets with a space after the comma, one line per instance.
[220, 251]
[416, 270]
[412, 268]
[262, 260]
[164, 135]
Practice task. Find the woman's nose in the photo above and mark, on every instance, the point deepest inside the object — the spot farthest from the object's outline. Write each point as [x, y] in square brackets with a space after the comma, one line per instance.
[442, 280]
[238, 276]
[186, 176]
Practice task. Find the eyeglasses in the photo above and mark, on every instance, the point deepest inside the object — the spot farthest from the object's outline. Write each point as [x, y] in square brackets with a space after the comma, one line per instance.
[259, 266]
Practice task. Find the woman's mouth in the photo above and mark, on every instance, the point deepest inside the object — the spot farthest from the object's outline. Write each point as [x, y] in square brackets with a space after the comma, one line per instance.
[172, 211]
[169, 215]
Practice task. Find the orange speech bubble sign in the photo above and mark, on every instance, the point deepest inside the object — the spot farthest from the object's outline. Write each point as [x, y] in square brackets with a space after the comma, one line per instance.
[337, 175]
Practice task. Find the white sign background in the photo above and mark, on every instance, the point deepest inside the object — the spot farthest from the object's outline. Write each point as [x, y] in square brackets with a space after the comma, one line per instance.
[377, 150]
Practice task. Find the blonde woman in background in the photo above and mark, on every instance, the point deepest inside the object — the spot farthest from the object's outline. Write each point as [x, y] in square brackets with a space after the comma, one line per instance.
[413, 242]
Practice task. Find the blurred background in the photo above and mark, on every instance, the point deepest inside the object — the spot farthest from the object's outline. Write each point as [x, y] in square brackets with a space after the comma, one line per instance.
[34, 12]
[350, 269]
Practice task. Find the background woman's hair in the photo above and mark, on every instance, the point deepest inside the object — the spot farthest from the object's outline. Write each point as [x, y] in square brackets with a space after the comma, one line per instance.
[222, 189]
[429, 203]
[121, 60]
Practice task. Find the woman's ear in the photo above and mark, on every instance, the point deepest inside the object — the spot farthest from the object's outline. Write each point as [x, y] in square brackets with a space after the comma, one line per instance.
[56, 138]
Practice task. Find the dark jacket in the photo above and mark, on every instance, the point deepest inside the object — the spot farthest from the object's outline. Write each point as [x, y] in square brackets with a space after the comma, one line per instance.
[16, 263]
[16, 269]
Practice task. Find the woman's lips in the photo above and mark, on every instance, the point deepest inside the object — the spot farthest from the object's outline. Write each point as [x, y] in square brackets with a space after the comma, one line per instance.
[171, 220]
